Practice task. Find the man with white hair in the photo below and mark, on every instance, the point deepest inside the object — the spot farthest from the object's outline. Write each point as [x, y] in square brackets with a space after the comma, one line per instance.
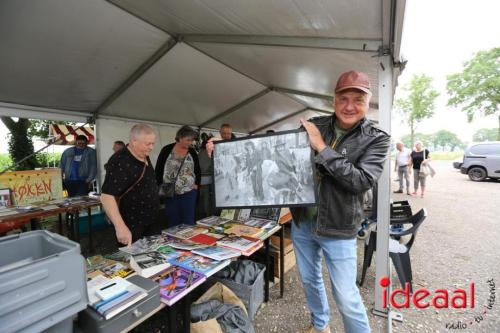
[130, 193]
[403, 160]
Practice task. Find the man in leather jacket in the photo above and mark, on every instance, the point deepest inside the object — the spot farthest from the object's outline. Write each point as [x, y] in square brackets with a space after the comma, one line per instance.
[350, 155]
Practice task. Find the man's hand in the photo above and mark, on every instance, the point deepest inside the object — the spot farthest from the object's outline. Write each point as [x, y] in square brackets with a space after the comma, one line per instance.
[124, 235]
[210, 145]
[315, 138]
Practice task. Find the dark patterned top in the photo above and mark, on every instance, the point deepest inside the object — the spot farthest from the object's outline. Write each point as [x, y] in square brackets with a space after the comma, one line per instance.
[417, 158]
[141, 204]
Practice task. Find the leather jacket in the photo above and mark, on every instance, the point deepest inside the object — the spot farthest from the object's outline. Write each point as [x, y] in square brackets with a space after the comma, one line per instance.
[346, 172]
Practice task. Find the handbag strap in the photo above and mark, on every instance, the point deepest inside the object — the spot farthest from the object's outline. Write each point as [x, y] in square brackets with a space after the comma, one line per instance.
[134, 184]
[179, 171]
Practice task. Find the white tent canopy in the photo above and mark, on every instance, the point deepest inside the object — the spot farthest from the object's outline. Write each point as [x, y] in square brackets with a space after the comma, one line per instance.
[250, 63]
[257, 64]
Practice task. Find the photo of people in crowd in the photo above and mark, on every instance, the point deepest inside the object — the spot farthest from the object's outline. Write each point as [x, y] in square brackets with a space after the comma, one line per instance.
[270, 170]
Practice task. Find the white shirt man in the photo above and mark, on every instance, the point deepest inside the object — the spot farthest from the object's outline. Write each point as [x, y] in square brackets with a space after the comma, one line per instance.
[403, 157]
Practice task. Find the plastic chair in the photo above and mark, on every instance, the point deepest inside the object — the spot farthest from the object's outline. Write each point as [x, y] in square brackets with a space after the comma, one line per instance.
[399, 253]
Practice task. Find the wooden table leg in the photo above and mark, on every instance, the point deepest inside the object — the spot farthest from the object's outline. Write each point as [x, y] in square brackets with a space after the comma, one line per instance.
[34, 224]
[171, 319]
[267, 275]
[187, 313]
[282, 261]
[76, 225]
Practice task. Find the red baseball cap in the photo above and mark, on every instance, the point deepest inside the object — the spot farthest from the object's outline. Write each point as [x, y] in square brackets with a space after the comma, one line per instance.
[353, 80]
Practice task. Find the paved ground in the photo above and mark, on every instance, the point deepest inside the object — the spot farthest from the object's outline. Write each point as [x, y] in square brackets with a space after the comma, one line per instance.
[457, 244]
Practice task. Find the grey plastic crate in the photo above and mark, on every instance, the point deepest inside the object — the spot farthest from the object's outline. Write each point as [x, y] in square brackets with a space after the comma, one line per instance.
[42, 281]
[252, 296]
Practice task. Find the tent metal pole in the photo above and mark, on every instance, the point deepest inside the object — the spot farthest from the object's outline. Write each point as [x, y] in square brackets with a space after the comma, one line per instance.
[278, 121]
[383, 210]
[363, 45]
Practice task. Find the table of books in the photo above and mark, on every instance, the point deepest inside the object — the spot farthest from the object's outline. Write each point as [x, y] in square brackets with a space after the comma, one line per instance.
[180, 259]
[70, 206]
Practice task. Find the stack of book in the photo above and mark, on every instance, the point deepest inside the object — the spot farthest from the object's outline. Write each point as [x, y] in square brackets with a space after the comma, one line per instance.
[212, 221]
[107, 267]
[109, 297]
[246, 246]
[217, 253]
[176, 282]
[184, 231]
[197, 263]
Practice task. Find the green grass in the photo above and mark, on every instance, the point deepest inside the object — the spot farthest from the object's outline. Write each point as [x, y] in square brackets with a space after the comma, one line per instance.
[446, 155]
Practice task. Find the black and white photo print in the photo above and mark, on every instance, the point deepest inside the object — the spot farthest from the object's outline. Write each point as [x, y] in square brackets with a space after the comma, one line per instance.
[272, 170]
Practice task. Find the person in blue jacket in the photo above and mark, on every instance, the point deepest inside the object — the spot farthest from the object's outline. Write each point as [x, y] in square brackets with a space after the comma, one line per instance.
[78, 167]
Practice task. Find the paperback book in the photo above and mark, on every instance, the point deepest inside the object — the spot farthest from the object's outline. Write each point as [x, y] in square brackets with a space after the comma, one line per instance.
[245, 245]
[110, 268]
[184, 231]
[212, 221]
[259, 223]
[148, 264]
[144, 245]
[204, 239]
[176, 282]
[244, 230]
[183, 244]
[217, 253]
[197, 263]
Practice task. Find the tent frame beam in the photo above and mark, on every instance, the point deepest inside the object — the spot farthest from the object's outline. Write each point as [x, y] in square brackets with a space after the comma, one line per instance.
[137, 74]
[236, 107]
[349, 44]
[278, 120]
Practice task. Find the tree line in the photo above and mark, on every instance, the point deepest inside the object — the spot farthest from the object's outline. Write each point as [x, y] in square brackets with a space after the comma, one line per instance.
[475, 91]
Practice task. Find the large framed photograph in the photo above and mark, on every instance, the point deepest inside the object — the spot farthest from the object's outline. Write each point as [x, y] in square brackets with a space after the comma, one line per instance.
[5, 198]
[270, 170]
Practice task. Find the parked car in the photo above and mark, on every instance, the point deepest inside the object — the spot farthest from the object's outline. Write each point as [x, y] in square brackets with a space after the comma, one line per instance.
[457, 164]
[481, 161]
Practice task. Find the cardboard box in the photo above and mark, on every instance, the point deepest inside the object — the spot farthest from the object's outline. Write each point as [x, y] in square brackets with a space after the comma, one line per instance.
[275, 254]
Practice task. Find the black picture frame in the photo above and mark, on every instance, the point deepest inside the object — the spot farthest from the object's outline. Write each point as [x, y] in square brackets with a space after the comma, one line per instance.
[264, 171]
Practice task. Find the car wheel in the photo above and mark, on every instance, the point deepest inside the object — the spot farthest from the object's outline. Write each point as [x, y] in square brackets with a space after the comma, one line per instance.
[477, 174]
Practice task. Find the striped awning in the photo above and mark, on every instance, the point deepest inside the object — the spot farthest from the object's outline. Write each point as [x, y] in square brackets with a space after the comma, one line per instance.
[66, 134]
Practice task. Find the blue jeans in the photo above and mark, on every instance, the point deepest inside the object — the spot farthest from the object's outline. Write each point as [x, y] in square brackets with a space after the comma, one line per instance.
[341, 260]
[181, 208]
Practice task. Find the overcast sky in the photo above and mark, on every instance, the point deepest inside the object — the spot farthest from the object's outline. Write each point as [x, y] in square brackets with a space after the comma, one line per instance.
[438, 36]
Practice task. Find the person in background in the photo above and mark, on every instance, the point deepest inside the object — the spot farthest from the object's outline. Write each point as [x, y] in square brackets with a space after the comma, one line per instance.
[350, 156]
[129, 192]
[226, 132]
[179, 162]
[205, 205]
[78, 167]
[419, 157]
[118, 145]
[401, 165]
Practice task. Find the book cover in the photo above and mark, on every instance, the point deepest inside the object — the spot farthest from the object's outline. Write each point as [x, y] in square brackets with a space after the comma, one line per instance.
[252, 249]
[148, 264]
[212, 221]
[238, 243]
[167, 252]
[244, 230]
[228, 214]
[176, 282]
[197, 263]
[144, 245]
[204, 239]
[110, 268]
[184, 231]
[259, 223]
[217, 253]
[183, 244]
[243, 215]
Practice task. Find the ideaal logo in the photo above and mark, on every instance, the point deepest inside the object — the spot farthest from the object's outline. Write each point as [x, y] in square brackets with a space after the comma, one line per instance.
[440, 298]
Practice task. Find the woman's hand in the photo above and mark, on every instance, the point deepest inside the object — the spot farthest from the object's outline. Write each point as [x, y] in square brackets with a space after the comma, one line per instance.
[210, 145]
